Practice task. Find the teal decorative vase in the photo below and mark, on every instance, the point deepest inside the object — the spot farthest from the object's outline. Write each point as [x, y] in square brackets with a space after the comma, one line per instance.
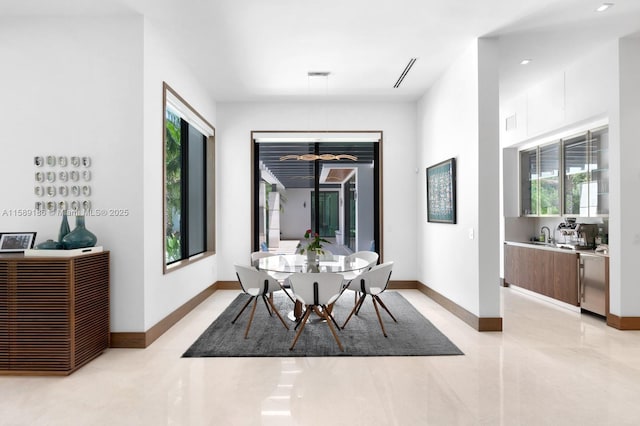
[64, 228]
[49, 245]
[80, 237]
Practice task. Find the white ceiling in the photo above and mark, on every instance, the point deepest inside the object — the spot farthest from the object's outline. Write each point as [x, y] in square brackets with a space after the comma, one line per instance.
[263, 49]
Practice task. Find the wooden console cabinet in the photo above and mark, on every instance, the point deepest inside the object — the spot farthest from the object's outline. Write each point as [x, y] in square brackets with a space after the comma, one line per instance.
[54, 312]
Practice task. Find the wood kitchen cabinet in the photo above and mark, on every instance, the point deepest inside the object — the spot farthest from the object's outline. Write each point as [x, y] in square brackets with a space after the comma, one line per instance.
[513, 263]
[54, 312]
[565, 278]
[547, 272]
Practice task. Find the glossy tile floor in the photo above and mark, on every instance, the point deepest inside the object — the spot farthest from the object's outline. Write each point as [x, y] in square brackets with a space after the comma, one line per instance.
[550, 366]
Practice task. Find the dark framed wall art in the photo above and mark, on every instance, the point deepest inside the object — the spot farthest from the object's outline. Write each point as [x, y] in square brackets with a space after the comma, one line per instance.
[441, 192]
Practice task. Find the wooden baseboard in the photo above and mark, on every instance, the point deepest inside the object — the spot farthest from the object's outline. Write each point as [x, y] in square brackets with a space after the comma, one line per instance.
[623, 323]
[402, 285]
[228, 285]
[141, 340]
[480, 324]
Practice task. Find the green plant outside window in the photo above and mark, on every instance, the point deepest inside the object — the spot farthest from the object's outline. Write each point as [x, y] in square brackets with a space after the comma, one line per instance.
[173, 181]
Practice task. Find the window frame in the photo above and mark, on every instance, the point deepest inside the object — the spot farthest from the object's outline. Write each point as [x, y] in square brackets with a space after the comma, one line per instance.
[304, 136]
[562, 143]
[194, 118]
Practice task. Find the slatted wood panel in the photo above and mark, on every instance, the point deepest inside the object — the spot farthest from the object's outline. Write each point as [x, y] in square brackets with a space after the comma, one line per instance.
[39, 330]
[54, 312]
[91, 311]
[4, 315]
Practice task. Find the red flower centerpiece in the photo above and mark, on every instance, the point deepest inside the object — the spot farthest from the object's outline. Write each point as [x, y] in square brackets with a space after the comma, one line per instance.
[312, 244]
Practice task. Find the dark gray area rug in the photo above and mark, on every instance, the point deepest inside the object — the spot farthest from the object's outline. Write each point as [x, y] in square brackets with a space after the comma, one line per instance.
[412, 335]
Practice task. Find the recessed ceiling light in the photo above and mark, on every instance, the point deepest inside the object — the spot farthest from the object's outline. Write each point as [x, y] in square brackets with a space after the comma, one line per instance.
[525, 61]
[603, 7]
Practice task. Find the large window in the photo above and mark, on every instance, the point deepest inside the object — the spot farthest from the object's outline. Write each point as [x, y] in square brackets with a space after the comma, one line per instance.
[189, 185]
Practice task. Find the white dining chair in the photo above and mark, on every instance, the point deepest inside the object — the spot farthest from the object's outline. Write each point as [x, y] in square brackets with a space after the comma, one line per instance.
[316, 292]
[257, 284]
[372, 283]
[257, 255]
[371, 257]
[280, 277]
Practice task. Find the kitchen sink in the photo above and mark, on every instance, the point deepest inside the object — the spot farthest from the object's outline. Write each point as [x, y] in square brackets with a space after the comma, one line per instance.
[555, 245]
[539, 243]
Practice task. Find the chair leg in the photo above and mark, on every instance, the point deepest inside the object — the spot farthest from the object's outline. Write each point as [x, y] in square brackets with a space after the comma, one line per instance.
[328, 311]
[264, 298]
[300, 318]
[287, 293]
[273, 307]
[253, 311]
[333, 330]
[357, 305]
[242, 310]
[304, 321]
[375, 305]
[385, 308]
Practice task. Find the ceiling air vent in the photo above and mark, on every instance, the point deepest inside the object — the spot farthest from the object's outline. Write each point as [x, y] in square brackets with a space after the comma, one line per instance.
[405, 72]
[318, 73]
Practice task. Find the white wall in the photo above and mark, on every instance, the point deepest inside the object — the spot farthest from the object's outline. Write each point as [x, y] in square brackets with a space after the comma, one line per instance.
[452, 123]
[74, 86]
[93, 86]
[396, 120]
[567, 98]
[165, 293]
[296, 214]
[488, 236]
[625, 297]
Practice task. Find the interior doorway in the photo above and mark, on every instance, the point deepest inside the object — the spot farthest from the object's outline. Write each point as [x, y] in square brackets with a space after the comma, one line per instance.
[329, 183]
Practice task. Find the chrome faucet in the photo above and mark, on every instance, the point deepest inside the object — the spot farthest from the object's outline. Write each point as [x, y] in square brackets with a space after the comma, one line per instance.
[548, 240]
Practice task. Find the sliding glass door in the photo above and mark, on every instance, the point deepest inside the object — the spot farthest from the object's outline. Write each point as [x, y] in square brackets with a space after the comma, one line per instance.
[329, 221]
[328, 185]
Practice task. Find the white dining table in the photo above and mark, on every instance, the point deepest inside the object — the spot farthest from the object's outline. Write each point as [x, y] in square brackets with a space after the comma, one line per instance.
[280, 266]
[292, 263]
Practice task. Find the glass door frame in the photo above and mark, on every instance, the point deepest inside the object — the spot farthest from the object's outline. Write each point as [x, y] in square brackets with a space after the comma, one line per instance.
[319, 136]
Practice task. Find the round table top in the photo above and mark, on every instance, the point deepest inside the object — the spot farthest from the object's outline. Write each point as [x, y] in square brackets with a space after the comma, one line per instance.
[290, 263]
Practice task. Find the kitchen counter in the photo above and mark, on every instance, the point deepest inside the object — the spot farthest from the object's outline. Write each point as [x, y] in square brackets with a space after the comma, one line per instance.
[554, 247]
[576, 277]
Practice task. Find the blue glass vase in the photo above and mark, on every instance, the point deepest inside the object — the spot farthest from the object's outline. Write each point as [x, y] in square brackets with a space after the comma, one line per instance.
[64, 227]
[80, 237]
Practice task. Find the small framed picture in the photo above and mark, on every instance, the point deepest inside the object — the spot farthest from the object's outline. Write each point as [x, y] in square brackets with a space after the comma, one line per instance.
[15, 242]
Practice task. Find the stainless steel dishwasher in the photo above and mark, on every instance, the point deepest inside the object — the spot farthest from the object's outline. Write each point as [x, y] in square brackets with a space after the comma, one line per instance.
[592, 283]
